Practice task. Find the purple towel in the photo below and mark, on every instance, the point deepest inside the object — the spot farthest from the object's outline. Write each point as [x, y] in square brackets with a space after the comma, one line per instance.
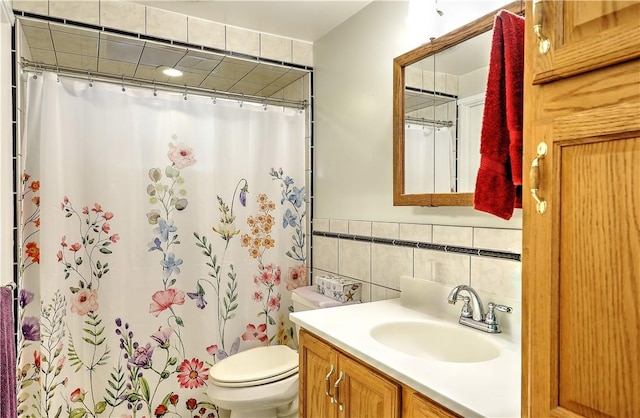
[8, 407]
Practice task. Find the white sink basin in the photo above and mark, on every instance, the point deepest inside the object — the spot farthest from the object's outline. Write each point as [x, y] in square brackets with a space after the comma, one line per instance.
[439, 341]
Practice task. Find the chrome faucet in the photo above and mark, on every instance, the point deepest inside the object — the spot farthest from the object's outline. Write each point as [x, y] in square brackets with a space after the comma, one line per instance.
[472, 314]
[477, 310]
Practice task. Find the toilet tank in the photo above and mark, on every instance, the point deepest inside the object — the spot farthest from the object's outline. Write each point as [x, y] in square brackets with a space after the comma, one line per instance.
[307, 298]
[302, 303]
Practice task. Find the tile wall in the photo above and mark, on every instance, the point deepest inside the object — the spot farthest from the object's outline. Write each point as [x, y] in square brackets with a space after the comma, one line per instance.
[379, 264]
[429, 81]
[145, 20]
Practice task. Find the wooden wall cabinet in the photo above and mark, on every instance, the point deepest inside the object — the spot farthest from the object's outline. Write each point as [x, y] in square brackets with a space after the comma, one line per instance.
[581, 268]
[362, 392]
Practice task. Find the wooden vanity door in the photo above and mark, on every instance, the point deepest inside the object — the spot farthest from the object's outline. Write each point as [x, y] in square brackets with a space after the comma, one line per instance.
[585, 36]
[581, 258]
[362, 392]
[316, 359]
[365, 393]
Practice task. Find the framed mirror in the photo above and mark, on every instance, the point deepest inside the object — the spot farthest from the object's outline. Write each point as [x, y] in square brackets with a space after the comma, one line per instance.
[438, 103]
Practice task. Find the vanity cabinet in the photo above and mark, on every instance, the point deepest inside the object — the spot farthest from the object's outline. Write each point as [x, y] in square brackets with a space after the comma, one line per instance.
[361, 392]
[581, 274]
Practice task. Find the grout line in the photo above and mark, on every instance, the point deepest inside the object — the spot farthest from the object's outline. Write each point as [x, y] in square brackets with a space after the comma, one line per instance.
[470, 284]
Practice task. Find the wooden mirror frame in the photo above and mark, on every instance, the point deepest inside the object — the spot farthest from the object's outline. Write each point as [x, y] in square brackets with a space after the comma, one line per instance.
[455, 37]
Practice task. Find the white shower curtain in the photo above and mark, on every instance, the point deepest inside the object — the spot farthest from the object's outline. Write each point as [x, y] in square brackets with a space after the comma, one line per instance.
[159, 235]
[429, 160]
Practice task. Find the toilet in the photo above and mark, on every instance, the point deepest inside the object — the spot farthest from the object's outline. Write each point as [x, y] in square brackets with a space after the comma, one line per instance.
[263, 382]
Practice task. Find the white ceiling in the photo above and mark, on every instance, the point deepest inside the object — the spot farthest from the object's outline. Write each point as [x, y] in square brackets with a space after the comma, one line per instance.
[305, 20]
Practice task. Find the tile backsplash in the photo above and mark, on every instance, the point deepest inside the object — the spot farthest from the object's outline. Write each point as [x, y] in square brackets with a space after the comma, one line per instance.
[378, 253]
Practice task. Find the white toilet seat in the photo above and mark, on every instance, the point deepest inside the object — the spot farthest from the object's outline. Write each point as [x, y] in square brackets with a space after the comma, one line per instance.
[257, 382]
[254, 367]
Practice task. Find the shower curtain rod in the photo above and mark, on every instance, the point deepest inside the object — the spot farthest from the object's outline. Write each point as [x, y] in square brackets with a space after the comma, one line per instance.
[158, 85]
[426, 122]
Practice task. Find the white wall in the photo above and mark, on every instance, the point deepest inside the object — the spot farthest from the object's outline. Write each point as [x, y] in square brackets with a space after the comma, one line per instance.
[473, 83]
[353, 78]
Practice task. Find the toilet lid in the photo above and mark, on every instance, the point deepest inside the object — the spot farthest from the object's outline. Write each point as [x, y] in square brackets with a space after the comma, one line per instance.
[255, 367]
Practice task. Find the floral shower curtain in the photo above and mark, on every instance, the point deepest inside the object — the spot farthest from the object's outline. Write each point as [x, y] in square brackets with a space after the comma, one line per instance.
[160, 234]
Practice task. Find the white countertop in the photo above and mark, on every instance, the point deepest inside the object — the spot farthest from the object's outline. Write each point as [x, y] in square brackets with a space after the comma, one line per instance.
[489, 388]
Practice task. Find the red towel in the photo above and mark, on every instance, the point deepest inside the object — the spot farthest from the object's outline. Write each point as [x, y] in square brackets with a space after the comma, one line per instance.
[499, 180]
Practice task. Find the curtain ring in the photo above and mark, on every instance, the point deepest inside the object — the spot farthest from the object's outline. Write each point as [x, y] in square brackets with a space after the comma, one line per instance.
[90, 79]
[241, 101]
[123, 89]
[155, 90]
[185, 92]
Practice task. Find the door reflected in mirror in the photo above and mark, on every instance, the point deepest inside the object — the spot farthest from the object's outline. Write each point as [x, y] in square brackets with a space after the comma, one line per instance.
[439, 91]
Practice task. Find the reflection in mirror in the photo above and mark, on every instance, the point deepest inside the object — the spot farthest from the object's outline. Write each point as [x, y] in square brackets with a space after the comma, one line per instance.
[439, 91]
[444, 100]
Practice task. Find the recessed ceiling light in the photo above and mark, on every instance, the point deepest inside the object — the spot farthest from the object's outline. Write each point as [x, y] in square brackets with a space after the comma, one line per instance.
[170, 71]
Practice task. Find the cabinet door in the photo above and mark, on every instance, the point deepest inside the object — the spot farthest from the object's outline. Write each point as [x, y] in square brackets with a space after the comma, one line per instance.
[581, 269]
[317, 359]
[365, 393]
[414, 405]
[584, 36]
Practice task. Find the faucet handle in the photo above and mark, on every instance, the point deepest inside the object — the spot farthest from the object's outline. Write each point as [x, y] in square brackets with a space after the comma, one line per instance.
[467, 311]
[501, 308]
[490, 318]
